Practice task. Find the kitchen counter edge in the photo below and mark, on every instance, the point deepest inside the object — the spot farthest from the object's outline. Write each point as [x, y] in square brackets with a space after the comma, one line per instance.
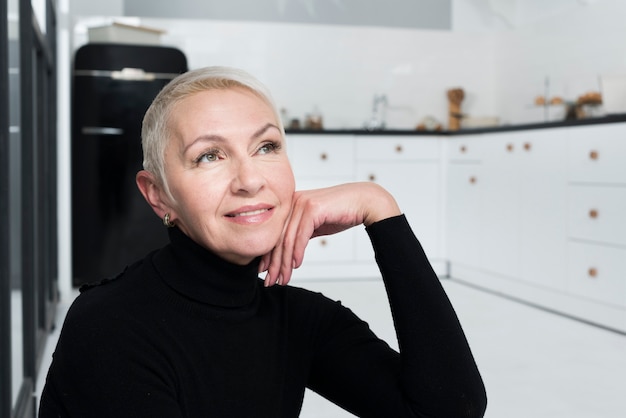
[504, 128]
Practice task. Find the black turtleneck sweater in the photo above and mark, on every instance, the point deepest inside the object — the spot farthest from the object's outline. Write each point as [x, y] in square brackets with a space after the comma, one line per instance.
[183, 333]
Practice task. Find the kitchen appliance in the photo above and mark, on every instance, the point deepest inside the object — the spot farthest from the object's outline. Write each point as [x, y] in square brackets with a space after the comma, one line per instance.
[113, 85]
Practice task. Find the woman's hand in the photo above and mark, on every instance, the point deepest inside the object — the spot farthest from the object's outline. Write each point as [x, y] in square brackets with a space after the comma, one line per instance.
[324, 212]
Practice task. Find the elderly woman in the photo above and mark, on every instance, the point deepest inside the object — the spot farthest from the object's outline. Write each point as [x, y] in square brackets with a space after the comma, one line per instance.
[192, 331]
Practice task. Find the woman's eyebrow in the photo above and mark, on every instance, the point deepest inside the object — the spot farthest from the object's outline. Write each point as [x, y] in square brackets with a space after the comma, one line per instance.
[220, 139]
[264, 129]
[204, 138]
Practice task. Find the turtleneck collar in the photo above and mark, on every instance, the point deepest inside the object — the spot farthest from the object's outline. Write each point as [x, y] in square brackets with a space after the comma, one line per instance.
[199, 274]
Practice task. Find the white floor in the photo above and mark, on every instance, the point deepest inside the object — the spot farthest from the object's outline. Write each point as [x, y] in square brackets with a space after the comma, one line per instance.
[534, 363]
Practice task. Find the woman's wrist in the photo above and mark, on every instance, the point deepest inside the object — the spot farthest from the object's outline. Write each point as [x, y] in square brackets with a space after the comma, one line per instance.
[380, 204]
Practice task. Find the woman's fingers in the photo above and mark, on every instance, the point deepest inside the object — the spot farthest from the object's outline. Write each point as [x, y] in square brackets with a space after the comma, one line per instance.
[323, 212]
[293, 239]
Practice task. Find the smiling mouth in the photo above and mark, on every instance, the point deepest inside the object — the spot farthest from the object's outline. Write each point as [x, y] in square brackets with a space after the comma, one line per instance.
[248, 213]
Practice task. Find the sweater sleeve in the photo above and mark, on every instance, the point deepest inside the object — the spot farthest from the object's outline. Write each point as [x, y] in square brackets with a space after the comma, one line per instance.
[434, 375]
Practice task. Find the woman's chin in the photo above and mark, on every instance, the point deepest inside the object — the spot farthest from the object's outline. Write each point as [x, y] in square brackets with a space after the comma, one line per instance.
[243, 256]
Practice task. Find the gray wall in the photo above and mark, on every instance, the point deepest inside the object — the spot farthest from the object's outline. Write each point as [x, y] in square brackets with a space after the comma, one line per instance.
[416, 14]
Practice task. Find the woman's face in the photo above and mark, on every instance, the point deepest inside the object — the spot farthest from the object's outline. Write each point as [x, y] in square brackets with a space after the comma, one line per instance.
[227, 169]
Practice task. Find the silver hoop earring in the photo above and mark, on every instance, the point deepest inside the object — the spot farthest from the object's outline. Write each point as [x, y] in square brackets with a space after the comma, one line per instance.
[166, 221]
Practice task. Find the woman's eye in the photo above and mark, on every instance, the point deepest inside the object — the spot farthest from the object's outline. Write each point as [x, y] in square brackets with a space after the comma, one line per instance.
[268, 148]
[208, 157]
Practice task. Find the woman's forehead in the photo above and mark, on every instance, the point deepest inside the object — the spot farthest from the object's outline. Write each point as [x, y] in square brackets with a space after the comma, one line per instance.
[213, 111]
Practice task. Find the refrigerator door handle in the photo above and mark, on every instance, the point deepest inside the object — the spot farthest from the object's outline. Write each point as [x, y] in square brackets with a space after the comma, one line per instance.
[127, 74]
[101, 130]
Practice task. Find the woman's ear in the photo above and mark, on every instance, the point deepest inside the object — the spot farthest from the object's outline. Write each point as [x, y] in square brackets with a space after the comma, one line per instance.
[153, 192]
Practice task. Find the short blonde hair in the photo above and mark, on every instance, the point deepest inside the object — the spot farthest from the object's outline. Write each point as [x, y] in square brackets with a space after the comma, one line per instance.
[156, 132]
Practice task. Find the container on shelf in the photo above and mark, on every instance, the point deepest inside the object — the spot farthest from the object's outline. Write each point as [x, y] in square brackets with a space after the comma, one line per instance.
[613, 93]
[117, 32]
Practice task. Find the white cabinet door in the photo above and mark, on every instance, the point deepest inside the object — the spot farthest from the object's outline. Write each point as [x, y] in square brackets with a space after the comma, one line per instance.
[500, 210]
[409, 168]
[463, 214]
[543, 203]
[416, 187]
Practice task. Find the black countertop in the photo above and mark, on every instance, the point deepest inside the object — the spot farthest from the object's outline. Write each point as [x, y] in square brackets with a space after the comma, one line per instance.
[503, 128]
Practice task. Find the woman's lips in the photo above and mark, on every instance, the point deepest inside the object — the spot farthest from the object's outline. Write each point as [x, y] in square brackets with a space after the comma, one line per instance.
[251, 214]
[248, 213]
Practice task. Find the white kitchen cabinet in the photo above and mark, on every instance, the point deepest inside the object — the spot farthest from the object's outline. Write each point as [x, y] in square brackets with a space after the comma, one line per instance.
[534, 214]
[505, 206]
[500, 204]
[322, 161]
[463, 200]
[410, 169]
[543, 203]
[550, 219]
[408, 166]
[597, 204]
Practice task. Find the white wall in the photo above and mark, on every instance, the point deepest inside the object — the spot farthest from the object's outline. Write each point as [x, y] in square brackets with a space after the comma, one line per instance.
[339, 69]
[500, 51]
[572, 49]
[569, 43]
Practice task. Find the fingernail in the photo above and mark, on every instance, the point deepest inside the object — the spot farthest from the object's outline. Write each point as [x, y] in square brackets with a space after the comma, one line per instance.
[266, 280]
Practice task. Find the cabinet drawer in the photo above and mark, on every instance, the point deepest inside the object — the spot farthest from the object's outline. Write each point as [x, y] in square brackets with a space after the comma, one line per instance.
[597, 272]
[597, 154]
[465, 148]
[596, 213]
[397, 148]
[321, 156]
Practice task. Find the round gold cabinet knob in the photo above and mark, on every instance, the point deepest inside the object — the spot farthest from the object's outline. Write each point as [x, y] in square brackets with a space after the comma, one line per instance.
[592, 272]
[509, 147]
[463, 149]
[399, 149]
[472, 180]
[372, 177]
[323, 242]
[594, 155]
[527, 146]
[324, 156]
[593, 213]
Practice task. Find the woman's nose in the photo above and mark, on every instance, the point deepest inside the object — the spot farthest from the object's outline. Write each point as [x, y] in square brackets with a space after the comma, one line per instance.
[247, 177]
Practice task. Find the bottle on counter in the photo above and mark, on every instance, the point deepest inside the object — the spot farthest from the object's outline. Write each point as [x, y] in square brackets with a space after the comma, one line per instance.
[314, 121]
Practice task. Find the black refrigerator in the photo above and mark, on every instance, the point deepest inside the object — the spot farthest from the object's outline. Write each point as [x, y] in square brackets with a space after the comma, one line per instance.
[113, 85]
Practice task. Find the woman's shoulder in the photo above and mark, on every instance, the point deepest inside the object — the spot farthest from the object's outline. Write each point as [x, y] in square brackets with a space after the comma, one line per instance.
[110, 296]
